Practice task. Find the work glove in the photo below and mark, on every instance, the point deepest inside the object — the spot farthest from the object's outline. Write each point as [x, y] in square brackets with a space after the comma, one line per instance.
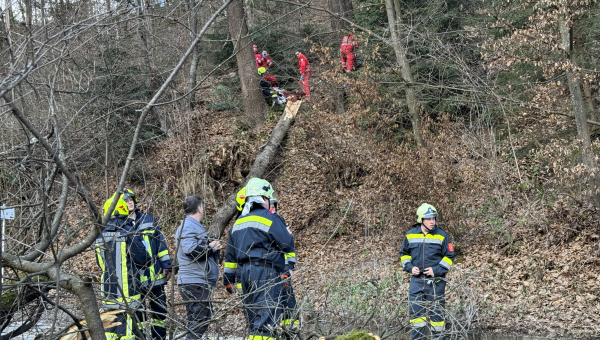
[302, 77]
[229, 288]
[285, 283]
[167, 273]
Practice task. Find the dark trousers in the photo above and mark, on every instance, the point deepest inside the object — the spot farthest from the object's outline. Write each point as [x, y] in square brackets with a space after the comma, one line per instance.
[426, 297]
[125, 331]
[262, 290]
[198, 309]
[157, 303]
[288, 304]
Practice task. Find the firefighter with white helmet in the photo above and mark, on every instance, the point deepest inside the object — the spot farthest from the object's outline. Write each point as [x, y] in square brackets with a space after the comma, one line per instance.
[257, 244]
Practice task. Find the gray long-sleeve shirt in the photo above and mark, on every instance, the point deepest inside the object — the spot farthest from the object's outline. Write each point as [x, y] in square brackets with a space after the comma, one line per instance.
[196, 258]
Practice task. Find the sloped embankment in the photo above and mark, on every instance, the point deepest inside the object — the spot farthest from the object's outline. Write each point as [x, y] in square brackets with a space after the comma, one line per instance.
[349, 198]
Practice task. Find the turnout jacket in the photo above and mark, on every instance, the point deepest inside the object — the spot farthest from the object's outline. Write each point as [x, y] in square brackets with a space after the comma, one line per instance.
[348, 44]
[290, 258]
[433, 250]
[261, 236]
[122, 257]
[262, 61]
[156, 247]
[304, 65]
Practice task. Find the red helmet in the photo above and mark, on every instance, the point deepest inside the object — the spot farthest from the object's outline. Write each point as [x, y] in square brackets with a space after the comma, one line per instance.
[254, 46]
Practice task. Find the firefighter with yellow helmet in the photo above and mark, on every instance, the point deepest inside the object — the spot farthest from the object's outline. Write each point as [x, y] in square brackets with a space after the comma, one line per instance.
[159, 269]
[122, 257]
[428, 254]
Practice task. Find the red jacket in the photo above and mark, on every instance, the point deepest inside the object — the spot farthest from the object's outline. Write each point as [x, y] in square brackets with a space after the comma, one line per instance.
[304, 66]
[262, 61]
[348, 44]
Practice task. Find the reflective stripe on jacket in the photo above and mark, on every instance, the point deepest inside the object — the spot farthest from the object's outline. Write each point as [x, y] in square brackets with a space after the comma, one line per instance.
[348, 44]
[257, 235]
[156, 247]
[122, 257]
[433, 250]
[290, 258]
[303, 64]
[262, 61]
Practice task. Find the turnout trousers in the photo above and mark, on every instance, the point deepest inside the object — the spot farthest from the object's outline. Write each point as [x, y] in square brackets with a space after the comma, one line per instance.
[157, 303]
[125, 330]
[198, 308]
[262, 293]
[288, 304]
[426, 299]
[305, 87]
[347, 61]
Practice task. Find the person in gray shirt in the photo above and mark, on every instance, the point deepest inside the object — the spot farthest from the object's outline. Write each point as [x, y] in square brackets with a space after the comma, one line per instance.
[198, 271]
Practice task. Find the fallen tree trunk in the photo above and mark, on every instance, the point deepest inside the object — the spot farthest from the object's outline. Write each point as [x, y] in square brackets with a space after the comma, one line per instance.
[228, 209]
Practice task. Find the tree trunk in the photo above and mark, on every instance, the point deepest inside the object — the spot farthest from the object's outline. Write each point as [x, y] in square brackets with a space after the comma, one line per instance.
[589, 100]
[343, 8]
[583, 131]
[7, 18]
[29, 14]
[248, 11]
[255, 109]
[194, 60]
[228, 209]
[394, 17]
[143, 34]
[84, 291]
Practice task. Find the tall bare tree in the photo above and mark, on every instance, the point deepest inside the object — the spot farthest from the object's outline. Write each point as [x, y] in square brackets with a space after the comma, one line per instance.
[255, 109]
[583, 131]
[193, 9]
[394, 14]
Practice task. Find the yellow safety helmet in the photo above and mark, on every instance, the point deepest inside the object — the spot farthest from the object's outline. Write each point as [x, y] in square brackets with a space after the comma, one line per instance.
[261, 71]
[120, 208]
[259, 187]
[426, 210]
[240, 198]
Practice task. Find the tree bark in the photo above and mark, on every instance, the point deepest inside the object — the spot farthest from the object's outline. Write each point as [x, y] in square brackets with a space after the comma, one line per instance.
[194, 59]
[143, 34]
[583, 131]
[394, 19]
[255, 109]
[336, 23]
[83, 289]
[248, 11]
[228, 209]
[345, 9]
[589, 100]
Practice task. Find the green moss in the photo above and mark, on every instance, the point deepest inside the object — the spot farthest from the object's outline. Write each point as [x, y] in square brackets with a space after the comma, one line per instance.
[8, 298]
[356, 335]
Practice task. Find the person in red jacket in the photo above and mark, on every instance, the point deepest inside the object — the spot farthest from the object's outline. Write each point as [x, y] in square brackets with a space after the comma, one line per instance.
[349, 42]
[263, 60]
[304, 74]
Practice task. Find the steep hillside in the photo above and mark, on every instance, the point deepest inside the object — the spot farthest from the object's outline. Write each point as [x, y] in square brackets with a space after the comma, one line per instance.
[527, 250]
